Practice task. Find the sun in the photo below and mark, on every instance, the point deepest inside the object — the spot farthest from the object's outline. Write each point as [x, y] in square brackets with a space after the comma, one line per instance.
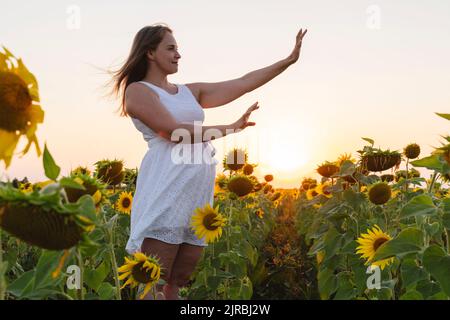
[285, 158]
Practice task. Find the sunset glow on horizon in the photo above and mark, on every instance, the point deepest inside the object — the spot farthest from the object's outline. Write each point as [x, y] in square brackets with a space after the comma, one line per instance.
[377, 70]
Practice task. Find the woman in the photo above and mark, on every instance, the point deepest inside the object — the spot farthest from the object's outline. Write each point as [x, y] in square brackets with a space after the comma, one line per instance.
[167, 191]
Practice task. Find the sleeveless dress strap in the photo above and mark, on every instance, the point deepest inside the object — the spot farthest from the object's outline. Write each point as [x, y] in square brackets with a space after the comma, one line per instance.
[158, 89]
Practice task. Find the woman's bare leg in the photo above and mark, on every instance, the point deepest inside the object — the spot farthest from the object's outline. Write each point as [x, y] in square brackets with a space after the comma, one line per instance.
[185, 262]
[166, 254]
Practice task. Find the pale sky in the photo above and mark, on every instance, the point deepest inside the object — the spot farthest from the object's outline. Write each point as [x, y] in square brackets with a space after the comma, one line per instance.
[377, 69]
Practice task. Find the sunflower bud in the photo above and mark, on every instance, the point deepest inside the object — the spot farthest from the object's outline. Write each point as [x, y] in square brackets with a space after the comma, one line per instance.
[248, 169]
[379, 193]
[412, 151]
[241, 185]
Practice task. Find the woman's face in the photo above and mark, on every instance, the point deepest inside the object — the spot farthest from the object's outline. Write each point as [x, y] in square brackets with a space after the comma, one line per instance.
[166, 55]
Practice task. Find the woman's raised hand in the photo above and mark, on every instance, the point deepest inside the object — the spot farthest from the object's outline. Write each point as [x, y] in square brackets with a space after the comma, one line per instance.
[243, 122]
[293, 57]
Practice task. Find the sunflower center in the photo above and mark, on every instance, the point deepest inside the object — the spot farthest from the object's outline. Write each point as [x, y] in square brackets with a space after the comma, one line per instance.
[126, 202]
[209, 220]
[378, 243]
[140, 274]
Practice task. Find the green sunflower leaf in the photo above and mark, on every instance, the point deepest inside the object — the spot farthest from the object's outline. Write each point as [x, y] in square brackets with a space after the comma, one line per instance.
[444, 115]
[52, 170]
[68, 182]
[432, 162]
[421, 205]
[411, 295]
[407, 241]
[371, 141]
[437, 262]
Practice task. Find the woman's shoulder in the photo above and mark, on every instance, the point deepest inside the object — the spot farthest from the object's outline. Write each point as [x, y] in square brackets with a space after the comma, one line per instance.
[138, 89]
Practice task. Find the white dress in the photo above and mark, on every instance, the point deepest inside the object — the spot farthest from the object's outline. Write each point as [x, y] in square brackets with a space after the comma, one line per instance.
[167, 191]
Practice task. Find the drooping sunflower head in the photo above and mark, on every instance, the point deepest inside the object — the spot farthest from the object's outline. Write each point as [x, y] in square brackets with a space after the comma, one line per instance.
[379, 193]
[387, 177]
[412, 151]
[308, 183]
[247, 169]
[369, 244]
[221, 181]
[240, 185]
[276, 196]
[19, 106]
[15, 102]
[91, 186]
[235, 159]
[124, 202]
[327, 169]
[267, 188]
[208, 223]
[130, 176]
[140, 269]
[268, 177]
[39, 226]
[110, 171]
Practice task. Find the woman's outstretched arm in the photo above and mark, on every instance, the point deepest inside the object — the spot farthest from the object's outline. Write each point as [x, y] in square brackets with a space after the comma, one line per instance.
[219, 93]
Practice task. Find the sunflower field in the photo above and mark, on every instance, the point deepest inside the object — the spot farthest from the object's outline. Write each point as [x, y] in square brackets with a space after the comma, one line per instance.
[370, 229]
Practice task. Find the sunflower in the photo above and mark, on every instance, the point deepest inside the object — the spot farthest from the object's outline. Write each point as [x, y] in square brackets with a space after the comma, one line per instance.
[140, 270]
[19, 106]
[379, 193]
[81, 170]
[369, 244]
[412, 151]
[344, 157]
[327, 169]
[308, 183]
[260, 213]
[322, 188]
[26, 187]
[241, 185]
[276, 196]
[92, 186]
[110, 171]
[208, 223]
[311, 193]
[125, 202]
[247, 169]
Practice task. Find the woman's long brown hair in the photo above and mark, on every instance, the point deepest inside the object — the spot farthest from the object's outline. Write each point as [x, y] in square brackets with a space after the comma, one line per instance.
[135, 67]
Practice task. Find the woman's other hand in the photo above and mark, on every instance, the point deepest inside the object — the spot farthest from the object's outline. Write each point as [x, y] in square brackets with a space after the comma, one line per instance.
[243, 122]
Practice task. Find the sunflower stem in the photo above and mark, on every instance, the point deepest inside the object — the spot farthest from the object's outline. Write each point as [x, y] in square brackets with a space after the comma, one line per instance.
[110, 234]
[214, 269]
[116, 275]
[407, 175]
[447, 240]
[227, 267]
[2, 278]
[433, 179]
